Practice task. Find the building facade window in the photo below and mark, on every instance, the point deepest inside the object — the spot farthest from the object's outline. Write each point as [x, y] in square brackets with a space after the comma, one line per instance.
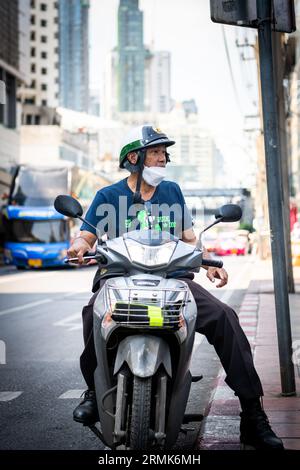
[32, 52]
[44, 39]
[44, 23]
[44, 55]
[43, 7]
[8, 115]
[43, 71]
[44, 102]
[32, 19]
[32, 68]
[32, 36]
[30, 101]
[44, 86]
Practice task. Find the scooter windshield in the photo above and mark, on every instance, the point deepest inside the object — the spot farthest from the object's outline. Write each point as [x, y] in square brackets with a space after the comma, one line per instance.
[150, 237]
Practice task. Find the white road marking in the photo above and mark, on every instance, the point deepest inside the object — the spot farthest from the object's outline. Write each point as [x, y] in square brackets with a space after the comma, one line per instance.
[2, 352]
[25, 306]
[8, 396]
[24, 277]
[38, 302]
[72, 322]
[71, 394]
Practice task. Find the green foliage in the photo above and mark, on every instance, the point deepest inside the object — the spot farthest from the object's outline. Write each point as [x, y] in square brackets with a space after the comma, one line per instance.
[246, 226]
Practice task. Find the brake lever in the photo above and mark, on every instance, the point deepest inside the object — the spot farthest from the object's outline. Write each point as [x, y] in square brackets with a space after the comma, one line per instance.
[98, 257]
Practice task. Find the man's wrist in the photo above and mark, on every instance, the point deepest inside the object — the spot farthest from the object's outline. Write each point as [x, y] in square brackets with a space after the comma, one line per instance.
[81, 238]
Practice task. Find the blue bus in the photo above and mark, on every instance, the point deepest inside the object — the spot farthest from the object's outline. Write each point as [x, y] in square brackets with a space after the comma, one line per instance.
[36, 235]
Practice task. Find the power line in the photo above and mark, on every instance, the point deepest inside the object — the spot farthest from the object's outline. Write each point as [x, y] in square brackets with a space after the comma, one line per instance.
[231, 72]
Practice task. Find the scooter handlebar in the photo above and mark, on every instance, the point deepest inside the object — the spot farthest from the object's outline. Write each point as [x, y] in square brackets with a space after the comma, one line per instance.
[212, 262]
[88, 256]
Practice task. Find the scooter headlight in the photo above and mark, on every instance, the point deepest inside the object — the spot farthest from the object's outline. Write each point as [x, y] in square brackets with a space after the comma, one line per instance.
[150, 255]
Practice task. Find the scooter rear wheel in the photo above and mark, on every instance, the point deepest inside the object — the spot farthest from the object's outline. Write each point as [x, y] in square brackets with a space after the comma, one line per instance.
[140, 413]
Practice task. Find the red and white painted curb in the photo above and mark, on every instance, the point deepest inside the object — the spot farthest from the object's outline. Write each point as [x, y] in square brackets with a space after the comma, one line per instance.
[220, 428]
[248, 316]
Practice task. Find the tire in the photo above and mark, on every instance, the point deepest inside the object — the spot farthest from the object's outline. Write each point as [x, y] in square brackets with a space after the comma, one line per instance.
[140, 414]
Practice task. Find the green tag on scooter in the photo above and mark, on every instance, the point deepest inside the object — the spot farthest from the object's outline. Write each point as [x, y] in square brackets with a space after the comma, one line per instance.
[155, 316]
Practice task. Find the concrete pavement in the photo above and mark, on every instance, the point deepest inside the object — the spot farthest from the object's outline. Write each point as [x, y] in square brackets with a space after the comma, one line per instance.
[220, 429]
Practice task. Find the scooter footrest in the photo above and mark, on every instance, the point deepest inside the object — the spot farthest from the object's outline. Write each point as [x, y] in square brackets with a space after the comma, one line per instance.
[189, 418]
[196, 378]
[186, 430]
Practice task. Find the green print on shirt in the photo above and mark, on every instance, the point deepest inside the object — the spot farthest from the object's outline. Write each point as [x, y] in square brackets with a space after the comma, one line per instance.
[143, 219]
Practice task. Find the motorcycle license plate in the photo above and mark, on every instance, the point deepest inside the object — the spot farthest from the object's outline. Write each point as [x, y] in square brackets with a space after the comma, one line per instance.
[35, 263]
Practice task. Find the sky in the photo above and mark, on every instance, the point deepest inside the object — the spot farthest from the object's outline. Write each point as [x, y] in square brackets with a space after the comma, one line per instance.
[199, 68]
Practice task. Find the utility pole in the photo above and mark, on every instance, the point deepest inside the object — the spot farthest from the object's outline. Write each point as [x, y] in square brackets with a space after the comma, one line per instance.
[275, 192]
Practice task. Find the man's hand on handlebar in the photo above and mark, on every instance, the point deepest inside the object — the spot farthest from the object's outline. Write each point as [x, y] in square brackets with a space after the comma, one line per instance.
[78, 248]
[217, 273]
[81, 245]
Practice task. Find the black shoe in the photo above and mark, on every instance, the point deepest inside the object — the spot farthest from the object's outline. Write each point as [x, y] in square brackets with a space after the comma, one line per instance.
[255, 427]
[87, 412]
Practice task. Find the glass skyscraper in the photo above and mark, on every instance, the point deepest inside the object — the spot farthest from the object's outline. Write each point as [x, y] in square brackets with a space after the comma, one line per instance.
[74, 54]
[131, 54]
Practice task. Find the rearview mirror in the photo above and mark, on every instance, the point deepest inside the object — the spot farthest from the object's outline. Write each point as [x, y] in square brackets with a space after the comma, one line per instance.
[229, 213]
[68, 206]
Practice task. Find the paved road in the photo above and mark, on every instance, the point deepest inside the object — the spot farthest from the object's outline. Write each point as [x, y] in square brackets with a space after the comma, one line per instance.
[40, 343]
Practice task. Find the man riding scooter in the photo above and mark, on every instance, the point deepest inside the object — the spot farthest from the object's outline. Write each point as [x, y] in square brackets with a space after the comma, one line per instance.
[127, 205]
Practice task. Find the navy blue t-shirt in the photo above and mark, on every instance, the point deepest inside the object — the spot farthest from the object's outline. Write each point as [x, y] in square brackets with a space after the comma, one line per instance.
[113, 212]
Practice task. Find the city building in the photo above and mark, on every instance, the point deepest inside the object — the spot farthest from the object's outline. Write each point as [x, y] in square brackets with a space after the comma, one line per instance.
[74, 54]
[190, 107]
[109, 97]
[131, 57]
[94, 103]
[136, 79]
[73, 139]
[157, 81]
[14, 44]
[195, 156]
[40, 97]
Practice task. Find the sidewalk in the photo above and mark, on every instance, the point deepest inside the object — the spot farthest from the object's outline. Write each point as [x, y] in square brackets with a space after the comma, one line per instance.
[220, 429]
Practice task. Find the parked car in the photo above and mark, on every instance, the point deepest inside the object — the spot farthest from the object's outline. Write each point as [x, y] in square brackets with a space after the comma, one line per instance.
[228, 243]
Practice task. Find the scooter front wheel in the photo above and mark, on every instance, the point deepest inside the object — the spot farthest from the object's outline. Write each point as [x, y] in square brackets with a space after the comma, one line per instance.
[140, 413]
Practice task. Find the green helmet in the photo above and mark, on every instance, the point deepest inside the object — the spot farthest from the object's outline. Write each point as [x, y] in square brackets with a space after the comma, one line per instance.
[140, 138]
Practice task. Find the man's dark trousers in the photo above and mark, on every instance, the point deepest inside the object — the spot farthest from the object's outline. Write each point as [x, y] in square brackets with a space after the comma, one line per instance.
[217, 321]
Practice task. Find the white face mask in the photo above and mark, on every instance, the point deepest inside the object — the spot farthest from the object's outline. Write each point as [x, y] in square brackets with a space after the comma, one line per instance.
[153, 175]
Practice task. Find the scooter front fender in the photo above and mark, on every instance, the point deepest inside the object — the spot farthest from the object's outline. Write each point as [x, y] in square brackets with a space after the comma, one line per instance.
[143, 354]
